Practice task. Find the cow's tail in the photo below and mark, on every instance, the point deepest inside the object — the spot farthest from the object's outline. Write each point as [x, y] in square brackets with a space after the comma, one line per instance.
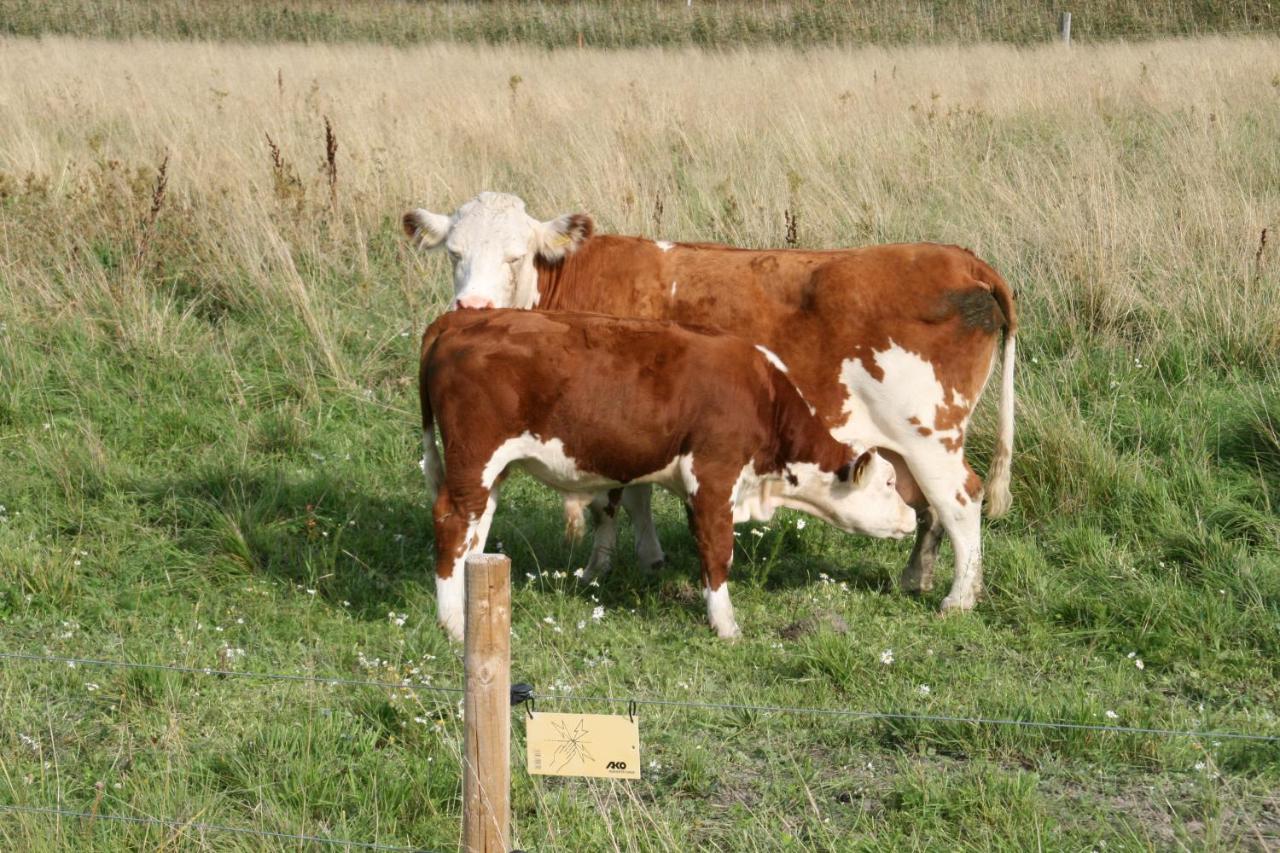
[432, 466]
[998, 496]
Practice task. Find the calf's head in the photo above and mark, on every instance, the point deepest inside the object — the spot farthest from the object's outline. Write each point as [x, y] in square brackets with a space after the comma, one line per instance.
[861, 497]
[493, 244]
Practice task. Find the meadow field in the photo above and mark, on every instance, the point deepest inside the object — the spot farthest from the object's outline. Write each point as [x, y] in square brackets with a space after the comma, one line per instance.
[209, 321]
[635, 23]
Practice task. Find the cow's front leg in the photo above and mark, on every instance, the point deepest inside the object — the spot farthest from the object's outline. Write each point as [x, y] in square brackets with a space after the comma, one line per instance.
[460, 532]
[712, 522]
[638, 502]
[918, 575]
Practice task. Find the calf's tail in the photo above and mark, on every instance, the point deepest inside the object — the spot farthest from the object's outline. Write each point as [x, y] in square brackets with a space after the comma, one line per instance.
[432, 466]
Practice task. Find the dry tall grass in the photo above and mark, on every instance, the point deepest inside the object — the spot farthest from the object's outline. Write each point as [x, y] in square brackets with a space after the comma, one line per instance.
[1123, 188]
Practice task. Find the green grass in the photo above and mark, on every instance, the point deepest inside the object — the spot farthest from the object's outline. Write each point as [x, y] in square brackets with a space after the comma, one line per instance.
[206, 449]
[632, 23]
[164, 500]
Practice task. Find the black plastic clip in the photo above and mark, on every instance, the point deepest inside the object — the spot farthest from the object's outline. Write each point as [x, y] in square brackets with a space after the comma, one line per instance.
[522, 693]
[631, 710]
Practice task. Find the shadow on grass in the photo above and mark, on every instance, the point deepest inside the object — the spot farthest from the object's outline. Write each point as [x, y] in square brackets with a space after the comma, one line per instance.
[316, 530]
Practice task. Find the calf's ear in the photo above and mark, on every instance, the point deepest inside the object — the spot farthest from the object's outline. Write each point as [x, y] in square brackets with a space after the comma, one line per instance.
[563, 236]
[426, 229]
[852, 471]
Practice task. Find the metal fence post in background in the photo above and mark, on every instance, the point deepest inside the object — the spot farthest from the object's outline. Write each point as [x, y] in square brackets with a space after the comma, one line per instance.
[486, 777]
[1064, 28]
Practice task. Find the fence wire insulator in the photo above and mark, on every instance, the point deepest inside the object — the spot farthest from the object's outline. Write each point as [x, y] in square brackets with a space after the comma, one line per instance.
[523, 693]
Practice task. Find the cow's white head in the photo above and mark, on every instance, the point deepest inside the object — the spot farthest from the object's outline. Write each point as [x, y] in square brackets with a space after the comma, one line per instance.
[861, 497]
[493, 244]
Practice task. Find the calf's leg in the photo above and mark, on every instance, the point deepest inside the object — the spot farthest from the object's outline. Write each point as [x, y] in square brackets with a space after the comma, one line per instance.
[712, 521]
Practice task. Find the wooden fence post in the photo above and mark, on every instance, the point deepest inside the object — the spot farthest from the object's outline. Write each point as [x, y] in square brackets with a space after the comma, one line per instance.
[1064, 28]
[486, 777]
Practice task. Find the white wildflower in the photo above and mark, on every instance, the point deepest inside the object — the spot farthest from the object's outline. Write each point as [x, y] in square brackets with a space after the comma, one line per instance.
[886, 657]
[597, 613]
[1200, 765]
[800, 523]
[579, 573]
[311, 592]
[1139, 664]
[757, 532]
[924, 690]
[397, 619]
[1112, 715]
[550, 620]
[91, 686]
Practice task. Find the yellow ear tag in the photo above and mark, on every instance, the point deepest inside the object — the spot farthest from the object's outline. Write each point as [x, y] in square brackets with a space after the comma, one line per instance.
[561, 241]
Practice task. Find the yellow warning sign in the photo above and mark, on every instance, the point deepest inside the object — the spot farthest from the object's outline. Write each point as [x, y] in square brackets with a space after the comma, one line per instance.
[601, 745]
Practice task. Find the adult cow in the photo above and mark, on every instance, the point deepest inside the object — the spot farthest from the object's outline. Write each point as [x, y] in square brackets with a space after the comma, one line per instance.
[892, 345]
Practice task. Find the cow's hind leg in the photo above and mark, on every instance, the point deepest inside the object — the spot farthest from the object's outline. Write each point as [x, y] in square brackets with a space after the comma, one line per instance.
[604, 533]
[954, 493]
[638, 502]
[918, 575]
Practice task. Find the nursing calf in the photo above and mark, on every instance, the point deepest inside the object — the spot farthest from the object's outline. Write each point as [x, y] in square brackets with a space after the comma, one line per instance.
[587, 403]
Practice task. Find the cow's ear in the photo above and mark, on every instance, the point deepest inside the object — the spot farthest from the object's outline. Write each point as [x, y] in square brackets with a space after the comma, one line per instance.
[852, 471]
[426, 229]
[563, 236]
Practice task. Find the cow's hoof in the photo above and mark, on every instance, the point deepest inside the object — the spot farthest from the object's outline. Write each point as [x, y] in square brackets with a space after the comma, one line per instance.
[913, 584]
[600, 564]
[650, 558]
[953, 604]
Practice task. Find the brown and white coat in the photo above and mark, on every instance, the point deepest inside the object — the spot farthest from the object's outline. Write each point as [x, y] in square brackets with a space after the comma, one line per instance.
[892, 345]
[587, 403]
